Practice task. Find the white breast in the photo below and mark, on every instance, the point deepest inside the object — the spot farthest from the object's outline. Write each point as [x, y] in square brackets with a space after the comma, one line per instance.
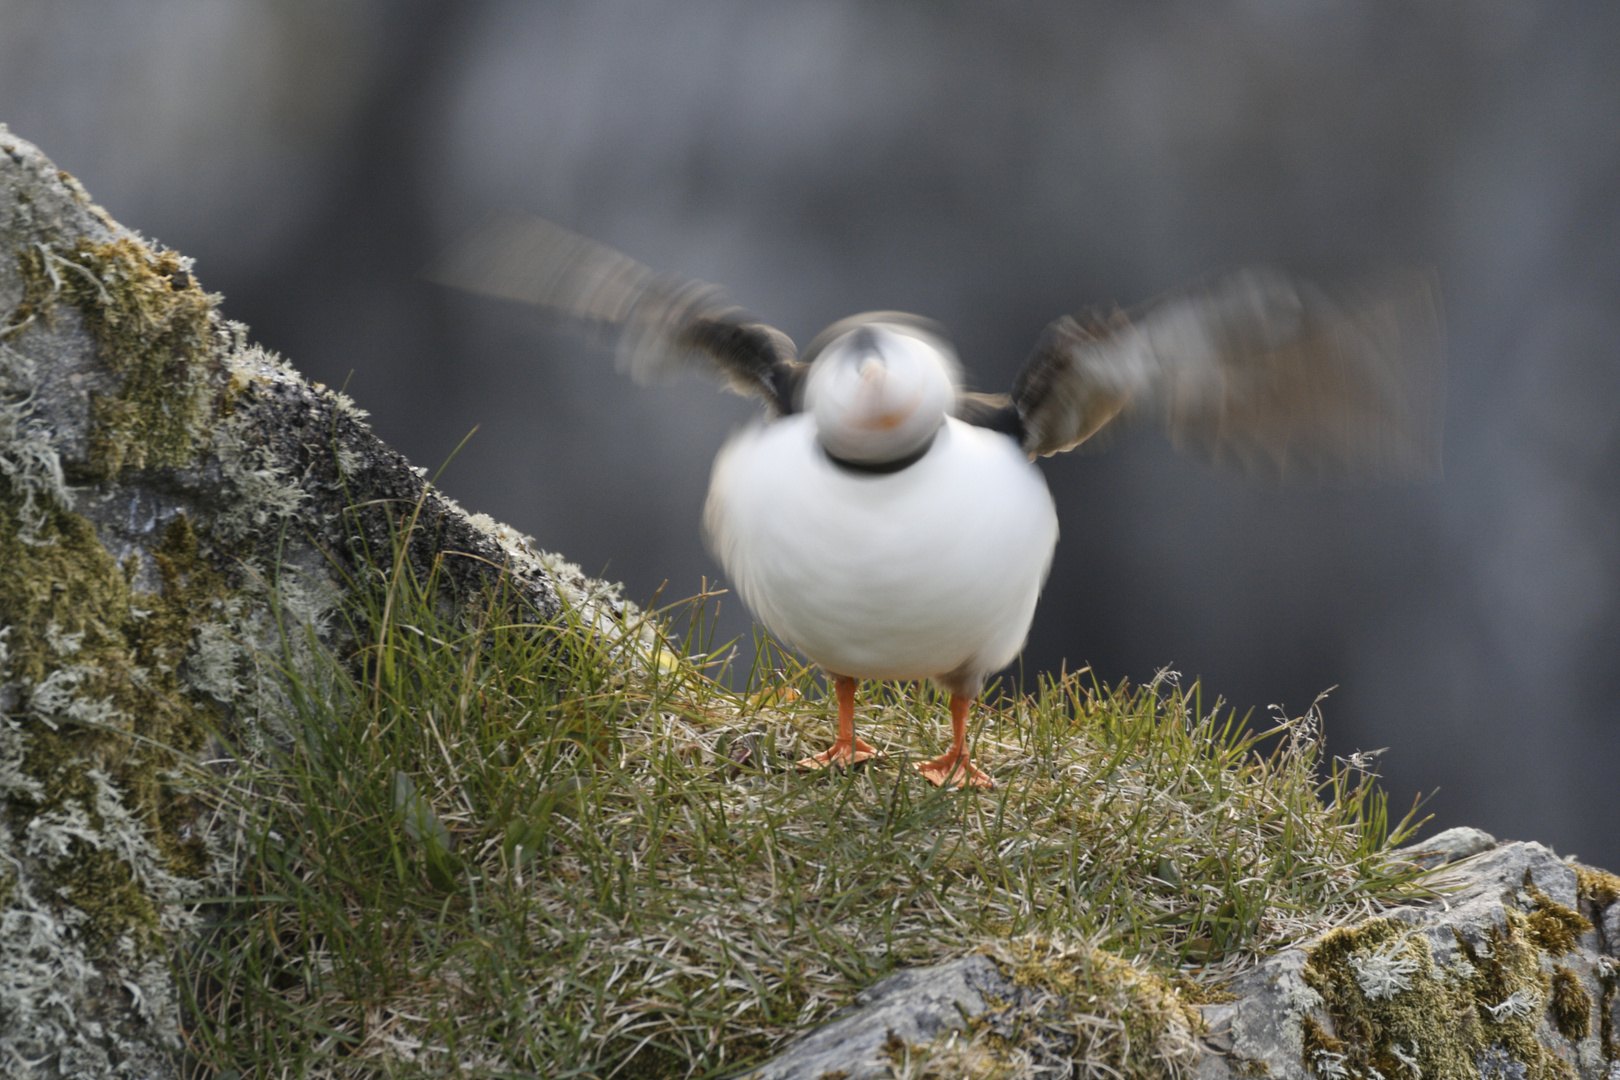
[933, 570]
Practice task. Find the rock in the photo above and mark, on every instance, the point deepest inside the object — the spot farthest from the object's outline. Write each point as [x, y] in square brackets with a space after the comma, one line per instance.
[164, 486]
[1450, 846]
[913, 1006]
[1509, 974]
[1263, 1024]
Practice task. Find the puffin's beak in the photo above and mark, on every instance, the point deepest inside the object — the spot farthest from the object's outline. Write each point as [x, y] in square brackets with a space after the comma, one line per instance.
[873, 372]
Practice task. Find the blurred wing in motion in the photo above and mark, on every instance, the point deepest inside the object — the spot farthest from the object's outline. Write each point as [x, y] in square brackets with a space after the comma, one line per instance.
[663, 324]
[1257, 372]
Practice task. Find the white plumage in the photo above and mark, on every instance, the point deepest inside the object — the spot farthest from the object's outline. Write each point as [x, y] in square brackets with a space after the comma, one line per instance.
[932, 570]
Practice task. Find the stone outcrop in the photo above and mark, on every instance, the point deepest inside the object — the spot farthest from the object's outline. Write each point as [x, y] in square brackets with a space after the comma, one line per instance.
[179, 511]
[1508, 974]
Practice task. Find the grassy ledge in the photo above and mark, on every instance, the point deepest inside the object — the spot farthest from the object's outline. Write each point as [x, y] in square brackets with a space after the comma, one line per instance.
[502, 846]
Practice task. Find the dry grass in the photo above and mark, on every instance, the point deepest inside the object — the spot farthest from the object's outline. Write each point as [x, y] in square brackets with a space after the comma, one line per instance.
[505, 848]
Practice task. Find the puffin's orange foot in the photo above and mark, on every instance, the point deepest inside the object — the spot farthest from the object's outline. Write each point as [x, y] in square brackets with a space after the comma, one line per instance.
[842, 753]
[954, 770]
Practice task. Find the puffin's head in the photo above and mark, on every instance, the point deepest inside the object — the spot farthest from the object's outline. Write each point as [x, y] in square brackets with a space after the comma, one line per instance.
[880, 386]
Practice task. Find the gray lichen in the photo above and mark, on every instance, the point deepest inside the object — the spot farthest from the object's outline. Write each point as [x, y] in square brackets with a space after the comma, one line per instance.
[179, 513]
[29, 460]
[1384, 972]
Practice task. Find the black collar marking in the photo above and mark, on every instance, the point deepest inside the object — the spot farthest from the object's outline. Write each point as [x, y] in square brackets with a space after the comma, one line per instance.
[880, 468]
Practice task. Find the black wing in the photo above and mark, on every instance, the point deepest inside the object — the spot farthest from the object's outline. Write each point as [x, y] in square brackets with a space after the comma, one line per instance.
[994, 411]
[1256, 371]
[663, 323]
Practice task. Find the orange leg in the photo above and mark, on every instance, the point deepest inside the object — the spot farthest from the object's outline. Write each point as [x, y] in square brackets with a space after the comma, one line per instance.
[953, 768]
[846, 748]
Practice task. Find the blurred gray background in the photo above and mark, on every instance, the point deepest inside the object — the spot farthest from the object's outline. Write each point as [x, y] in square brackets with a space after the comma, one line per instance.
[989, 166]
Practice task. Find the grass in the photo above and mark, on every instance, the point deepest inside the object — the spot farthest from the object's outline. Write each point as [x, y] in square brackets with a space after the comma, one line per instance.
[502, 846]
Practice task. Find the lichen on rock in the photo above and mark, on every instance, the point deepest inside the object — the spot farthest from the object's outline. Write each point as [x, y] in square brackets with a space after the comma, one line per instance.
[106, 848]
[1083, 1005]
[152, 326]
[180, 515]
[1385, 999]
[1501, 1005]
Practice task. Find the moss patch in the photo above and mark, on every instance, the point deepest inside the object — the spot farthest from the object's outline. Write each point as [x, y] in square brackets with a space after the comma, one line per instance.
[1553, 927]
[152, 326]
[1571, 1005]
[102, 711]
[1391, 1007]
[1076, 1006]
[1610, 986]
[1598, 887]
[1319, 1043]
[1393, 1010]
[104, 888]
[1513, 994]
[1195, 993]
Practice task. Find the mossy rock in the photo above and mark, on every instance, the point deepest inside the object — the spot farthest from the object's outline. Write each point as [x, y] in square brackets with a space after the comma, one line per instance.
[175, 537]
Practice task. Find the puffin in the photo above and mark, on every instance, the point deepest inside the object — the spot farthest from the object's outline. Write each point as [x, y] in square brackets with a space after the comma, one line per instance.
[891, 524]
